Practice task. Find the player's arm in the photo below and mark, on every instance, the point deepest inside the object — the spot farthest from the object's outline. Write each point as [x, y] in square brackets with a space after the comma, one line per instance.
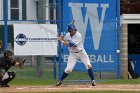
[20, 64]
[61, 39]
[73, 43]
[65, 42]
[69, 43]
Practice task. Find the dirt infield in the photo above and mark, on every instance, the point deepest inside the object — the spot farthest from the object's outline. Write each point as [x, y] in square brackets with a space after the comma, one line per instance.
[85, 87]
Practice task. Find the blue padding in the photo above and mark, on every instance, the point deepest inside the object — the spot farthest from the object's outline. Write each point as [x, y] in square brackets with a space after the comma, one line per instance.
[71, 44]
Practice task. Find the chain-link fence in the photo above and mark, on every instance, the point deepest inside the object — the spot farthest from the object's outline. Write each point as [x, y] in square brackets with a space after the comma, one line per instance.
[28, 12]
[46, 12]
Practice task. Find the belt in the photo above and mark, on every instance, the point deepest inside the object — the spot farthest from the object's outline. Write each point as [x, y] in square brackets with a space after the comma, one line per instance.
[78, 51]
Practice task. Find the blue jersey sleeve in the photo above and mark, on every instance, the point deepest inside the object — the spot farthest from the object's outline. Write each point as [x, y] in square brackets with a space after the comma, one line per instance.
[71, 44]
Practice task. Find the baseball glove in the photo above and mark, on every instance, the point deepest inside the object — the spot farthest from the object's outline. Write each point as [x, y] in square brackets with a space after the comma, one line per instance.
[21, 63]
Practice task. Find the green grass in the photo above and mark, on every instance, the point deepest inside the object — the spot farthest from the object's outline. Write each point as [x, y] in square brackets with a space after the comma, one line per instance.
[27, 76]
[121, 81]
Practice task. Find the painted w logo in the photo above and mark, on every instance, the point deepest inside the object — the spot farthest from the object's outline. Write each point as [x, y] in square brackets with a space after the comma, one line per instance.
[91, 14]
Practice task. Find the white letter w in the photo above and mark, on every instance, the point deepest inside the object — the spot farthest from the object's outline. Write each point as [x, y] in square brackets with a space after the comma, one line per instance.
[96, 23]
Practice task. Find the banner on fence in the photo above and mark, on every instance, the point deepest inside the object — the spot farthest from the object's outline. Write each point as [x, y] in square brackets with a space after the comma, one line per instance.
[35, 39]
[96, 21]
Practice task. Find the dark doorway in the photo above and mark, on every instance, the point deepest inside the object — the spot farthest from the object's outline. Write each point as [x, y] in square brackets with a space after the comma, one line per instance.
[134, 50]
[133, 38]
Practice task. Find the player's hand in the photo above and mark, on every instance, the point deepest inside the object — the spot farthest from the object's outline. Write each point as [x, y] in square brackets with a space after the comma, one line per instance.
[21, 63]
[61, 38]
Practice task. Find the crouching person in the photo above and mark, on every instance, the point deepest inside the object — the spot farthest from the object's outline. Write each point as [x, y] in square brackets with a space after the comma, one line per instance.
[5, 64]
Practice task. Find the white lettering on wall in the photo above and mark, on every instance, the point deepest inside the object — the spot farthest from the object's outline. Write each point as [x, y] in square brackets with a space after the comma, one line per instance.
[96, 23]
[96, 58]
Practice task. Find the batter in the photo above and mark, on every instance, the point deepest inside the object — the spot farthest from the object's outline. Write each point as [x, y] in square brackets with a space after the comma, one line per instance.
[73, 40]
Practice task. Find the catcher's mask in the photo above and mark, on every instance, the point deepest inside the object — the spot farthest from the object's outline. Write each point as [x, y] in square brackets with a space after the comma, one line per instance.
[71, 27]
[8, 54]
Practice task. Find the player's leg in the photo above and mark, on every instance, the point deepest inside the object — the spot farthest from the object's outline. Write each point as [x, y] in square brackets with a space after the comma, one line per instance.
[9, 76]
[2, 73]
[85, 59]
[71, 63]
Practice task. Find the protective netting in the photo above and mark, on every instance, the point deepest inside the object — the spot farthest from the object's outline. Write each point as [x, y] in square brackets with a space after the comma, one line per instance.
[28, 12]
[57, 12]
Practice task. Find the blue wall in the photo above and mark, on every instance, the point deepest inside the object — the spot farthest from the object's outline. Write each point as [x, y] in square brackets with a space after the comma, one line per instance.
[136, 62]
[96, 21]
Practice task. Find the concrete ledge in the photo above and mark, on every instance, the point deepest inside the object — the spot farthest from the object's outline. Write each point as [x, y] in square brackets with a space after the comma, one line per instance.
[130, 19]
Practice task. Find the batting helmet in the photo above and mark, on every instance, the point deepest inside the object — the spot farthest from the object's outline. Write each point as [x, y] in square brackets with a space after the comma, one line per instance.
[8, 53]
[71, 27]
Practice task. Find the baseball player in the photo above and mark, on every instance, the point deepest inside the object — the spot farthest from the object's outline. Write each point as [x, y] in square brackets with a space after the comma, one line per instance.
[73, 40]
[5, 63]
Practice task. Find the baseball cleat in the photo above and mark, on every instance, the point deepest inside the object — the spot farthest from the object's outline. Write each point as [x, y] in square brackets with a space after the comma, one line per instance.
[58, 83]
[93, 83]
[4, 85]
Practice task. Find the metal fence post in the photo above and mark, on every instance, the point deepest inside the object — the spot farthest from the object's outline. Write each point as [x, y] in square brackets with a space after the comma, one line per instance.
[54, 18]
[118, 39]
[59, 32]
[54, 66]
[5, 24]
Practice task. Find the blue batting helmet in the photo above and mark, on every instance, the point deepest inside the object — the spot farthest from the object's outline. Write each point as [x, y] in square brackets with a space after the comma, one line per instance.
[71, 27]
